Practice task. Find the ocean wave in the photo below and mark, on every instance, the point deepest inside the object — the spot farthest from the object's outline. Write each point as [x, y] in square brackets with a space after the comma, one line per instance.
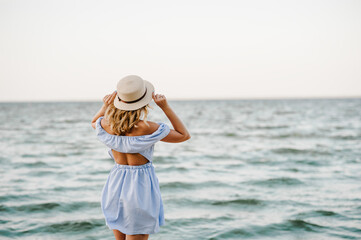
[172, 168]
[288, 150]
[177, 185]
[300, 224]
[317, 213]
[230, 134]
[165, 159]
[255, 127]
[293, 135]
[205, 202]
[40, 173]
[67, 227]
[346, 137]
[77, 187]
[268, 230]
[280, 112]
[185, 185]
[274, 182]
[29, 207]
[29, 155]
[44, 155]
[35, 164]
[288, 225]
[274, 135]
[231, 234]
[49, 206]
[310, 162]
[239, 201]
[14, 197]
[190, 221]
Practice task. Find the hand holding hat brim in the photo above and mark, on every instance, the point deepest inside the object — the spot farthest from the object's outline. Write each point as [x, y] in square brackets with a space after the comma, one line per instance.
[108, 99]
[160, 100]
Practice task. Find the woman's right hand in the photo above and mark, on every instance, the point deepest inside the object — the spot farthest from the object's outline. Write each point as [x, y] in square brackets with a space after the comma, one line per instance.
[108, 99]
[160, 100]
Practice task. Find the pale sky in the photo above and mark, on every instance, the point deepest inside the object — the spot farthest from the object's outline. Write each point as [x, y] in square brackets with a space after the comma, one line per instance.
[189, 49]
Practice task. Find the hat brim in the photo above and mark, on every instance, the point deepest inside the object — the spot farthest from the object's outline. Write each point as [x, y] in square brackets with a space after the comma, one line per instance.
[141, 103]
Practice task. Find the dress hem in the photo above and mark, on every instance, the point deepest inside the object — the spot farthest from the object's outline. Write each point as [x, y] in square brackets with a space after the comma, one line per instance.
[136, 232]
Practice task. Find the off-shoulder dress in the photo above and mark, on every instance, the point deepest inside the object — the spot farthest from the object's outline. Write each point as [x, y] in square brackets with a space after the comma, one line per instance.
[131, 201]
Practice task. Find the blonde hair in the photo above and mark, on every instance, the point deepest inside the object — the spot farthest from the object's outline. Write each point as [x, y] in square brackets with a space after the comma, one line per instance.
[122, 121]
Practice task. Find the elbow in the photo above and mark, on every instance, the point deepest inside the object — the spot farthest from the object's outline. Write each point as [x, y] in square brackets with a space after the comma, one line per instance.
[186, 137]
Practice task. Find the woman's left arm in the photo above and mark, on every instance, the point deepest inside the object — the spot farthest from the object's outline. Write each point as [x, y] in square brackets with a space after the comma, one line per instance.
[107, 100]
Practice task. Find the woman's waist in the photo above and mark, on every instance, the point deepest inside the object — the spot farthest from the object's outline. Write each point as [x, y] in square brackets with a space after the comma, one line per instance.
[138, 166]
[129, 158]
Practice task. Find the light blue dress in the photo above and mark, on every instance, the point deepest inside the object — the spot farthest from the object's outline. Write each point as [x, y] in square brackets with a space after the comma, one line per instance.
[131, 200]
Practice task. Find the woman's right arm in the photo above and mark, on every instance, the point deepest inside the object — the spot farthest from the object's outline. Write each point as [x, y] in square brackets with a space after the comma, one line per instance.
[180, 132]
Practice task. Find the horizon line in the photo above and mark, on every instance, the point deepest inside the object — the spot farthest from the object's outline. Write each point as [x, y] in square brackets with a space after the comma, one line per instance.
[198, 99]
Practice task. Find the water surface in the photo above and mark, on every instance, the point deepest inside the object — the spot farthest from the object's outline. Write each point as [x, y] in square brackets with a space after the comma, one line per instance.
[253, 169]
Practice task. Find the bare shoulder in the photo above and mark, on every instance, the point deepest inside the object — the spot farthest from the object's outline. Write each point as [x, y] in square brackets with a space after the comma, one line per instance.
[147, 129]
[142, 129]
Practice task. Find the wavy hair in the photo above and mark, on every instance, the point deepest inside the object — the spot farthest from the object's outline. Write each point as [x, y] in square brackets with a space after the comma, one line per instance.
[122, 121]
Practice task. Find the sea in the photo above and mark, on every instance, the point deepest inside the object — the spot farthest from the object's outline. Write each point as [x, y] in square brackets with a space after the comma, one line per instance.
[284, 169]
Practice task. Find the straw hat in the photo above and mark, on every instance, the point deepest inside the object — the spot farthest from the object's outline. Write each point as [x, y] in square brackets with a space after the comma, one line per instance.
[133, 92]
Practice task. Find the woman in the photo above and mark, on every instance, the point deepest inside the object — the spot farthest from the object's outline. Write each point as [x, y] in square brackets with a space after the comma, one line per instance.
[131, 200]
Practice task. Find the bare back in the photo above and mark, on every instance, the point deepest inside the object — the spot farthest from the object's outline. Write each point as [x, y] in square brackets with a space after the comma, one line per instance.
[131, 158]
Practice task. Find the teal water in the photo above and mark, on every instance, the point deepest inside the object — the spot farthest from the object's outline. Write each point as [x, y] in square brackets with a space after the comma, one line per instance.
[253, 169]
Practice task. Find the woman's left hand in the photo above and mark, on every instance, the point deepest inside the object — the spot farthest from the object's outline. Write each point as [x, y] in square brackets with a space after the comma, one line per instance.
[108, 99]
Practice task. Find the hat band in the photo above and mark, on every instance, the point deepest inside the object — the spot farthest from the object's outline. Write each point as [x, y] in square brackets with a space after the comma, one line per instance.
[134, 100]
